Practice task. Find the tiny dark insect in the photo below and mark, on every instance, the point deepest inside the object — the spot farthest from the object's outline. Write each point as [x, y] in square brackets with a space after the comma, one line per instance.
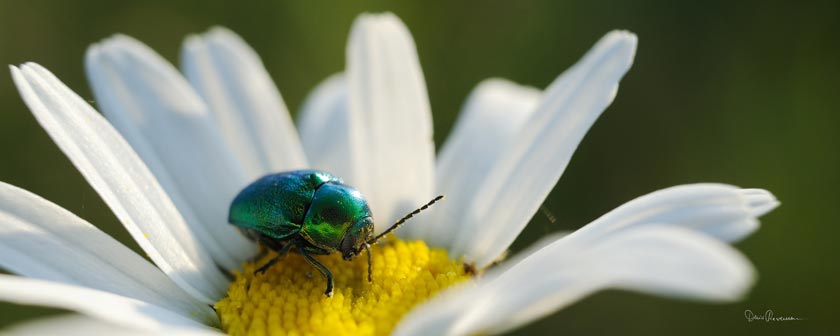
[312, 211]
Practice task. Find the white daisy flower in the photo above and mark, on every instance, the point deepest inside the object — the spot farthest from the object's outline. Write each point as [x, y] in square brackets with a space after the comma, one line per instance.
[178, 149]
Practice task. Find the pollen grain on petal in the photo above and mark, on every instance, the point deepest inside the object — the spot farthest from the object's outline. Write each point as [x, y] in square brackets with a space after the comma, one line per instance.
[289, 298]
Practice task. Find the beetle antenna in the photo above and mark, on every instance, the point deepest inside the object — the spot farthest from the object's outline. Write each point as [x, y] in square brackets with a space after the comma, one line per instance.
[404, 219]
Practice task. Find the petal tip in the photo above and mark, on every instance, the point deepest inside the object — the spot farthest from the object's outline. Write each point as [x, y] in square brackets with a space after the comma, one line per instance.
[759, 201]
[120, 43]
[622, 42]
[623, 36]
[192, 39]
[742, 285]
[379, 22]
[17, 76]
[93, 55]
[223, 36]
[218, 29]
[30, 65]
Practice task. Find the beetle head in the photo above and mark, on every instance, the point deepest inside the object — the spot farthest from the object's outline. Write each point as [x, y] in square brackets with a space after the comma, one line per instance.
[356, 237]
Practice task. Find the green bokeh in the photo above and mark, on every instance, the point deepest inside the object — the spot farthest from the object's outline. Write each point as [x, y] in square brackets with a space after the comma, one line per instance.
[743, 93]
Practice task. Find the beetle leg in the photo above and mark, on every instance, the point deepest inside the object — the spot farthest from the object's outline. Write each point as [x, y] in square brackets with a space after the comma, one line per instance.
[267, 265]
[370, 264]
[323, 269]
[280, 253]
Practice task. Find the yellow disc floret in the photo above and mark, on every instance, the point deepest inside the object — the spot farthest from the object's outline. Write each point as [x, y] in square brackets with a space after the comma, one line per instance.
[289, 298]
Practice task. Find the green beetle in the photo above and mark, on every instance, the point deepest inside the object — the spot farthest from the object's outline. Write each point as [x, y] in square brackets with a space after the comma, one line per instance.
[312, 211]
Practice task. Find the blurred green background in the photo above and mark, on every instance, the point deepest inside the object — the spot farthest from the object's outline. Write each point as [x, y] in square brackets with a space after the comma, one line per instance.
[744, 93]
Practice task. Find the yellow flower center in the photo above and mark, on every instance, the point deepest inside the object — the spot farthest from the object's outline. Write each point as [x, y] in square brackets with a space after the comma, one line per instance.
[289, 298]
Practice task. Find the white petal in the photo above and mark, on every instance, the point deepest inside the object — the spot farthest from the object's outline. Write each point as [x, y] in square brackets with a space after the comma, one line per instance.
[115, 171]
[39, 239]
[109, 307]
[246, 104]
[492, 116]
[169, 125]
[722, 211]
[81, 325]
[660, 260]
[526, 172]
[324, 127]
[391, 126]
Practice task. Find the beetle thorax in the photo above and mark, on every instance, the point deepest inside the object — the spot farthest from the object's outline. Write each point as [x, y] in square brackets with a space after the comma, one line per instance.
[338, 218]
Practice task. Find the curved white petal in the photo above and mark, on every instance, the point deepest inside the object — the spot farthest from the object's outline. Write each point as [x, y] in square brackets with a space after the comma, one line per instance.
[526, 172]
[490, 121]
[81, 325]
[108, 307]
[658, 260]
[726, 212]
[169, 125]
[390, 121]
[39, 239]
[324, 127]
[244, 101]
[115, 171]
